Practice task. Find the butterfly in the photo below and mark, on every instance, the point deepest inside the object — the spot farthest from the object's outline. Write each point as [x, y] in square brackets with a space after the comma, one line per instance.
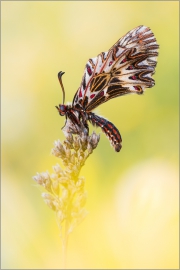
[127, 67]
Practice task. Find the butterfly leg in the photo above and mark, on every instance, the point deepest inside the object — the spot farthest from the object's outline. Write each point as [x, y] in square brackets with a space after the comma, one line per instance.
[108, 128]
[85, 123]
[74, 124]
[70, 127]
[83, 120]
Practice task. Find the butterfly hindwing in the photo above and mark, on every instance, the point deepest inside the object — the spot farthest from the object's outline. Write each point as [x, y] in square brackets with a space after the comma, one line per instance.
[126, 68]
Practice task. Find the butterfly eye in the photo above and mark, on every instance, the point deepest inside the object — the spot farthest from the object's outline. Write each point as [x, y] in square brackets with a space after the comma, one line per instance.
[62, 109]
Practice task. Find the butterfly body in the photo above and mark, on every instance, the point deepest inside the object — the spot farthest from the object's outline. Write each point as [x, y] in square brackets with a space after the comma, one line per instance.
[126, 68]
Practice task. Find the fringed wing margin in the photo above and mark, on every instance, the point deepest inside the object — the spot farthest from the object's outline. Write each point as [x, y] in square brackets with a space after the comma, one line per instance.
[126, 68]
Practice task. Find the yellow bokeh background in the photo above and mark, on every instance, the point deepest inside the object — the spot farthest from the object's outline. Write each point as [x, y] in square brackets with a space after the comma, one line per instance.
[132, 195]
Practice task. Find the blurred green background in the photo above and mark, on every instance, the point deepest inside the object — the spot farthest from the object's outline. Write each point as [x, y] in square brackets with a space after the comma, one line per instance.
[132, 195]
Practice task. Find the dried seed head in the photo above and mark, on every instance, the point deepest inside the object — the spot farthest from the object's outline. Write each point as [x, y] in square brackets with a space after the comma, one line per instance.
[89, 148]
[69, 138]
[47, 185]
[68, 145]
[39, 179]
[56, 204]
[45, 176]
[83, 141]
[43, 179]
[68, 153]
[57, 169]
[81, 154]
[63, 180]
[70, 128]
[72, 159]
[80, 182]
[66, 189]
[54, 176]
[80, 201]
[49, 199]
[58, 149]
[65, 194]
[76, 144]
[94, 139]
[55, 187]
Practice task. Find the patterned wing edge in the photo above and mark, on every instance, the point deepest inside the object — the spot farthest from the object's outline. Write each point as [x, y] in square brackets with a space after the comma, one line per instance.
[126, 68]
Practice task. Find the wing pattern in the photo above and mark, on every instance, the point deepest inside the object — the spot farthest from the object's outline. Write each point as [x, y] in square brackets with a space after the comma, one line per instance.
[126, 68]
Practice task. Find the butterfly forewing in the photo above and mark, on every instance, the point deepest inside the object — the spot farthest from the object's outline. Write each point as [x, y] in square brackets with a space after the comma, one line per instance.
[126, 68]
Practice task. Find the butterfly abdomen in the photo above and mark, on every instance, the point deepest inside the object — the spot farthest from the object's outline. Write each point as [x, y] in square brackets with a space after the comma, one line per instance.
[108, 128]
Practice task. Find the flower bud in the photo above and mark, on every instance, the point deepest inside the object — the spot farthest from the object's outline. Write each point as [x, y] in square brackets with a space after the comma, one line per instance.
[48, 198]
[55, 187]
[69, 138]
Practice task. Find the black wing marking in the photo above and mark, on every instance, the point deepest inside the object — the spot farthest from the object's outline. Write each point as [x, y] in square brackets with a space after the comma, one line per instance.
[126, 68]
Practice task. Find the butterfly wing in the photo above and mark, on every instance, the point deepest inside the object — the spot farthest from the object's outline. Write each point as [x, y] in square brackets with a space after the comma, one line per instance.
[127, 67]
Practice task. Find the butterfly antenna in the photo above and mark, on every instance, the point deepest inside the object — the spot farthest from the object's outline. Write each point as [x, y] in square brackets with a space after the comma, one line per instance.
[60, 81]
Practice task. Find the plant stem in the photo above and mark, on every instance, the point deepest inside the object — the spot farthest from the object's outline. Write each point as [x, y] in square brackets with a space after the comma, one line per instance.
[64, 246]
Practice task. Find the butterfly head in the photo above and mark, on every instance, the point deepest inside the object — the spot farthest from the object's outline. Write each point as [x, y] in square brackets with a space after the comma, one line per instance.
[62, 109]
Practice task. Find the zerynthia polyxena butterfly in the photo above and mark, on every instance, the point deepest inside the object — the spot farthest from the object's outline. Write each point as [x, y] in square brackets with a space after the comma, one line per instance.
[126, 68]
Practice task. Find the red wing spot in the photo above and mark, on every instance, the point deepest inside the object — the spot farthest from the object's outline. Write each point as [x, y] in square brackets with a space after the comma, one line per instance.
[133, 77]
[110, 63]
[80, 93]
[123, 61]
[136, 87]
[130, 68]
[89, 70]
[92, 96]
[101, 94]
